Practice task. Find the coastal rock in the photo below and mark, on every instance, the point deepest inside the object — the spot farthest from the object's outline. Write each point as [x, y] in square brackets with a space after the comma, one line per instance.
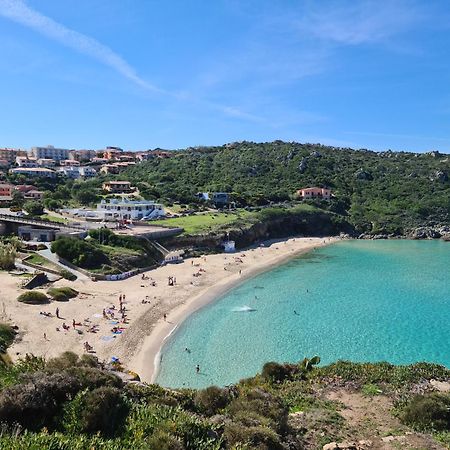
[316, 154]
[424, 233]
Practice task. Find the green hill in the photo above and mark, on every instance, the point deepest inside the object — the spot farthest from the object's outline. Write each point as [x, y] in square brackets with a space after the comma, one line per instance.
[376, 192]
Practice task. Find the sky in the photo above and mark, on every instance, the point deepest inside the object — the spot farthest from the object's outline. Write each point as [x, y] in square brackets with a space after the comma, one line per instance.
[142, 74]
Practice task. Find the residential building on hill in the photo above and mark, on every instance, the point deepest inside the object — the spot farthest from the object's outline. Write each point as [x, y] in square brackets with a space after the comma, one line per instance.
[129, 210]
[10, 154]
[46, 162]
[6, 191]
[50, 152]
[26, 161]
[34, 172]
[82, 155]
[117, 187]
[314, 192]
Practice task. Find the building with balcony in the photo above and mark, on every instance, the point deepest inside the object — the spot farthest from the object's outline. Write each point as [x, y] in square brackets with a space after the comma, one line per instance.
[50, 152]
[129, 210]
[118, 187]
[314, 193]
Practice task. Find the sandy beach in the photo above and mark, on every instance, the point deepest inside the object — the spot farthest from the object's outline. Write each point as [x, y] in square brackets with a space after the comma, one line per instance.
[153, 308]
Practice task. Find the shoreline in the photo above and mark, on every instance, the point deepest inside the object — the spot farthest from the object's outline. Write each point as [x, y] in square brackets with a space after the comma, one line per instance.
[147, 360]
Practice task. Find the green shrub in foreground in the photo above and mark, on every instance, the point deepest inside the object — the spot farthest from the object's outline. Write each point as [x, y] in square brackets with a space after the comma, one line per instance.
[33, 298]
[430, 412]
[101, 410]
[212, 399]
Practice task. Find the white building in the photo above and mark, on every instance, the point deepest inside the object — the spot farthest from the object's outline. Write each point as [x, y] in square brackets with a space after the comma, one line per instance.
[34, 172]
[129, 210]
[77, 172]
[25, 161]
[50, 152]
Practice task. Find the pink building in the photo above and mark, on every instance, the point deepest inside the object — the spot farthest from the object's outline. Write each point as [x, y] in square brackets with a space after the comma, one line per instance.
[314, 192]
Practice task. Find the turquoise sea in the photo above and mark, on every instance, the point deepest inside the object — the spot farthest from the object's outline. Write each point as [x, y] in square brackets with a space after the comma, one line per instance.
[354, 300]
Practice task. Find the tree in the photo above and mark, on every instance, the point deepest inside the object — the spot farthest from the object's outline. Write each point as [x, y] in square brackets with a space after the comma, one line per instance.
[86, 197]
[34, 208]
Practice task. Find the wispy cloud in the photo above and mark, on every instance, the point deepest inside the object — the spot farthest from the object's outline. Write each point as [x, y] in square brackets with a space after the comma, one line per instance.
[361, 22]
[20, 12]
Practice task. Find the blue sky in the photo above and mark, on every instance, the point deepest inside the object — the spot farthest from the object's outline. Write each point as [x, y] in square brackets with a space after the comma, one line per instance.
[175, 73]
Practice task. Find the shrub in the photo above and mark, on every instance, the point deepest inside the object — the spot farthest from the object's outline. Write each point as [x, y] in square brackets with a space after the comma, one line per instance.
[37, 401]
[102, 410]
[68, 275]
[34, 208]
[212, 399]
[260, 438]
[79, 252]
[62, 362]
[272, 371]
[264, 404]
[7, 335]
[33, 298]
[163, 441]
[7, 256]
[62, 294]
[428, 412]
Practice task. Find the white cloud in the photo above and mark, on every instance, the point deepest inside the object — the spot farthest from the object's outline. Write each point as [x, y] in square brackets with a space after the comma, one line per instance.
[20, 12]
[358, 22]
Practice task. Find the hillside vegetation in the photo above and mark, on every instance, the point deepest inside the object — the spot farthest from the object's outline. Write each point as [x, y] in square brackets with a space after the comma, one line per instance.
[376, 192]
[73, 402]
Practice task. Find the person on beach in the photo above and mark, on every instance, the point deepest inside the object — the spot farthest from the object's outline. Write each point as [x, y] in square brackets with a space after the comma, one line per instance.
[73, 323]
[165, 317]
[57, 313]
[45, 336]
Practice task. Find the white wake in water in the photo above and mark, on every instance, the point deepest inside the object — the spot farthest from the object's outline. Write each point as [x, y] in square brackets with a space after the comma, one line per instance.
[244, 308]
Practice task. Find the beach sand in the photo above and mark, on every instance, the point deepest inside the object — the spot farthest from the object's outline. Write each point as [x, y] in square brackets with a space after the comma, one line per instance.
[139, 344]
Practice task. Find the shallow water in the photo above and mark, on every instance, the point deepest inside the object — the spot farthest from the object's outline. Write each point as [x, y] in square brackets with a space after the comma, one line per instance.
[355, 300]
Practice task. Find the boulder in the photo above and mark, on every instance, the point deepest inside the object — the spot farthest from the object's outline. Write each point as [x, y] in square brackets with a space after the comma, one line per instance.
[303, 165]
[439, 176]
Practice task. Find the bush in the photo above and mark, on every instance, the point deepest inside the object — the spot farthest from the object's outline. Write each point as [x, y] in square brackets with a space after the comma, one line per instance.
[102, 410]
[34, 208]
[37, 401]
[264, 404]
[163, 441]
[212, 399]
[79, 252]
[260, 438]
[7, 335]
[33, 298]
[429, 412]
[273, 372]
[68, 275]
[7, 256]
[62, 294]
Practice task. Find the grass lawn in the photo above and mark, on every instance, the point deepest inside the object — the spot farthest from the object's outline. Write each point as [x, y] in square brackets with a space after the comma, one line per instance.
[39, 260]
[201, 223]
[110, 250]
[51, 218]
